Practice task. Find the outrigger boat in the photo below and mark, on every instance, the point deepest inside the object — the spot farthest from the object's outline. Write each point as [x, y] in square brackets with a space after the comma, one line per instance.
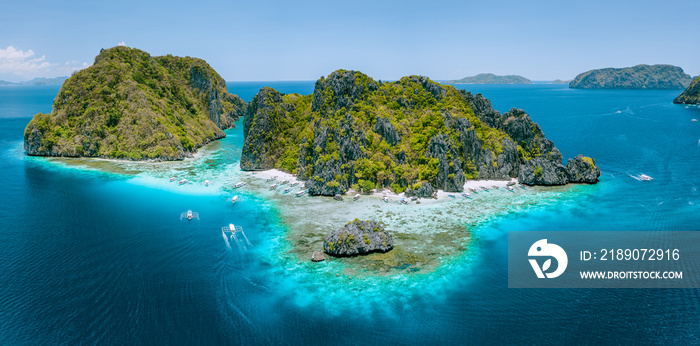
[233, 199]
[645, 177]
[236, 234]
[206, 182]
[273, 186]
[300, 193]
[523, 187]
[287, 189]
[173, 178]
[356, 197]
[484, 188]
[239, 184]
[189, 215]
[294, 183]
[403, 201]
[271, 179]
[473, 190]
[386, 199]
[510, 189]
[182, 182]
[495, 187]
[466, 195]
[451, 196]
[284, 182]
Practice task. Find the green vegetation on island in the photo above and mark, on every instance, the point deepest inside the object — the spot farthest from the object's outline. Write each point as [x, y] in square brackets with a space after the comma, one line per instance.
[131, 105]
[355, 132]
[691, 95]
[636, 77]
[490, 78]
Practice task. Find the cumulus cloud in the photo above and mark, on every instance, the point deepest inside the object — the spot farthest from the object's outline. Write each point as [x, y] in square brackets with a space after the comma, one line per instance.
[121, 44]
[23, 64]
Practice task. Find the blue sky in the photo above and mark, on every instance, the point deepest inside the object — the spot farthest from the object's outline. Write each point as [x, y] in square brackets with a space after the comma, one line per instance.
[303, 40]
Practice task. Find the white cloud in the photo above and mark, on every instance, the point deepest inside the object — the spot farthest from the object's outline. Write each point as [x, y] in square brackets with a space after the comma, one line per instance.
[121, 44]
[16, 63]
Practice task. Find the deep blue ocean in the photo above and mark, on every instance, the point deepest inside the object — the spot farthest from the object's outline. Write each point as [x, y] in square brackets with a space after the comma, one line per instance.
[94, 257]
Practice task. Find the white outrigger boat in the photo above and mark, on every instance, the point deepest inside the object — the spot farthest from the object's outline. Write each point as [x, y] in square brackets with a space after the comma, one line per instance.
[294, 183]
[239, 185]
[182, 182]
[189, 215]
[173, 178]
[273, 187]
[484, 188]
[236, 234]
[356, 197]
[284, 182]
[466, 195]
[271, 179]
[386, 199]
[510, 188]
[300, 193]
[645, 177]
[233, 199]
[287, 189]
[206, 182]
[451, 195]
[403, 201]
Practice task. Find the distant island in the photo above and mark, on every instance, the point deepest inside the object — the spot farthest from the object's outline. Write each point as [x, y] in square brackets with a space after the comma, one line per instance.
[411, 135]
[691, 95]
[490, 78]
[636, 77]
[559, 81]
[131, 105]
[36, 81]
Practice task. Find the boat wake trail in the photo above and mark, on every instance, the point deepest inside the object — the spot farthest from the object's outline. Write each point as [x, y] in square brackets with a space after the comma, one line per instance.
[228, 245]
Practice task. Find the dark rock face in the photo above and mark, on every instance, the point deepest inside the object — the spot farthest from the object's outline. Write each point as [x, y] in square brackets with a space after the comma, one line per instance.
[582, 170]
[261, 119]
[690, 95]
[333, 176]
[636, 77]
[450, 176]
[345, 88]
[358, 238]
[201, 79]
[385, 129]
[426, 190]
[543, 171]
[482, 108]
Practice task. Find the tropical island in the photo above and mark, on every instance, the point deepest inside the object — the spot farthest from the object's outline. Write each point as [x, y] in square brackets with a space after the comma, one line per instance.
[636, 77]
[131, 105]
[409, 135]
[490, 78]
[691, 95]
[560, 81]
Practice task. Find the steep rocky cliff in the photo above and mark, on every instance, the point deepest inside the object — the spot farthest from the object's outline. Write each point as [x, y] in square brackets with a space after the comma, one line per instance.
[691, 95]
[636, 77]
[412, 134]
[130, 105]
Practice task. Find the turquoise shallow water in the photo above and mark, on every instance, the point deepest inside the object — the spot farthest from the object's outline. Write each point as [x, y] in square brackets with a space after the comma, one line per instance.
[87, 256]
